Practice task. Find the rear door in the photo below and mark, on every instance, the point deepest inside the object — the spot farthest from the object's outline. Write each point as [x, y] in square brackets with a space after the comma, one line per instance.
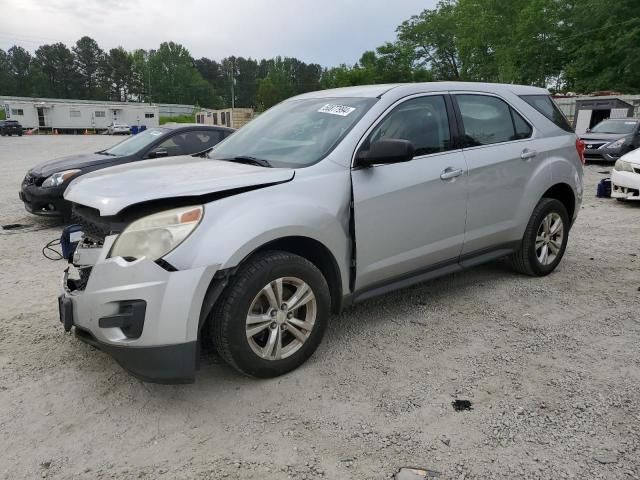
[501, 153]
[410, 216]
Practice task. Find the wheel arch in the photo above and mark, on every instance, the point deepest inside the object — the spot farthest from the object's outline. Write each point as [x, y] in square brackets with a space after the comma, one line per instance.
[315, 252]
[563, 193]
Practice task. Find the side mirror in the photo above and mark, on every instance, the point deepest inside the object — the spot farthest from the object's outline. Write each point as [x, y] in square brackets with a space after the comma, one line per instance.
[385, 151]
[158, 154]
[588, 130]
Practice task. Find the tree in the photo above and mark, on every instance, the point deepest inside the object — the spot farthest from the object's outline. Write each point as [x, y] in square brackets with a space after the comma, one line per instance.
[277, 85]
[7, 81]
[601, 40]
[55, 73]
[431, 36]
[118, 73]
[89, 60]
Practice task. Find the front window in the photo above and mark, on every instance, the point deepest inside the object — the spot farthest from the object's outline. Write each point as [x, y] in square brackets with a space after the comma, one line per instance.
[297, 133]
[135, 143]
[621, 127]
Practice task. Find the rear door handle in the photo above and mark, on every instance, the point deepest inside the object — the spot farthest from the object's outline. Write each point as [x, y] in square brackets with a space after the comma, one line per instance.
[527, 154]
[451, 172]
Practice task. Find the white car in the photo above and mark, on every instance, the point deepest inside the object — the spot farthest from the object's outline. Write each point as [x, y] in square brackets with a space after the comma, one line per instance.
[118, 128]
[625, 177]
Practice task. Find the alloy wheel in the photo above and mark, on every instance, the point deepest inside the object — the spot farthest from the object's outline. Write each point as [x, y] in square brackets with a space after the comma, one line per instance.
[549, 238]
[281, 318]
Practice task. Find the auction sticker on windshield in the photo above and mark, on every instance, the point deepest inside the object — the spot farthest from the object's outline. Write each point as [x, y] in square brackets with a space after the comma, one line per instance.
[341, 110]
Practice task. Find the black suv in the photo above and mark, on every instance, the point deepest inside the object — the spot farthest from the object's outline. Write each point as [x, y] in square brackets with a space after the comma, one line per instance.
[10, 127]
[44, 185]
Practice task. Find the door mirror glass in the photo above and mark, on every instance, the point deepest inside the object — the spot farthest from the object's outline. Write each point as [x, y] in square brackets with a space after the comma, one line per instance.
[385, 151]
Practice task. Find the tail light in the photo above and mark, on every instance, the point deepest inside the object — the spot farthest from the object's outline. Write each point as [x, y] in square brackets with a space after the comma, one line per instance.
[580, 150]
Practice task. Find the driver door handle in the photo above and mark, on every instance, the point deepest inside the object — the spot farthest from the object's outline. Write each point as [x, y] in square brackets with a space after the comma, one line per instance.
[450, 172]
[527, 154]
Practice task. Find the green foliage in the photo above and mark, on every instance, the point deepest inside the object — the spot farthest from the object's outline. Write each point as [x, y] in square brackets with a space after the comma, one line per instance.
[178, 119]
[575, 45]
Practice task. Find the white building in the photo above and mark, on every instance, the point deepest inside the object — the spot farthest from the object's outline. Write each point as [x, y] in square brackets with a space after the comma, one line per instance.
[73, 115]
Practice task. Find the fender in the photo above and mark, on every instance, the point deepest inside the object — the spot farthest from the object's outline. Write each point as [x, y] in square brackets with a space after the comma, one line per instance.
[234, 227]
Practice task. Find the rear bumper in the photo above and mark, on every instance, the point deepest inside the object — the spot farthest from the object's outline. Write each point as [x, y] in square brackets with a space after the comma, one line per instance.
[625, 185]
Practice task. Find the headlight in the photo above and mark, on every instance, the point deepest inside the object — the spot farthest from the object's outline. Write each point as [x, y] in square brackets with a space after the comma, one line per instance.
[623, 166]
[156, 235]
[616, 144]
[59, 178]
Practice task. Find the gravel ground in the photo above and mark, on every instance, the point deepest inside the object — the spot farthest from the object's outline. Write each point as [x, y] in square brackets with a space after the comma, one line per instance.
[551, 366]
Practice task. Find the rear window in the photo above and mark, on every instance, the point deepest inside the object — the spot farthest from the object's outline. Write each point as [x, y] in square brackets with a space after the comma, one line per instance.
[547, 107]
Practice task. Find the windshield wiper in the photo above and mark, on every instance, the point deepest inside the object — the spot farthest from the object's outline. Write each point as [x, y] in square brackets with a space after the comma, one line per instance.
[104, 152]
[249, 160]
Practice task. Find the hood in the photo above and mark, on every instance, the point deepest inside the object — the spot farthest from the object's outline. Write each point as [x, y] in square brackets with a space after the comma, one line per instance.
[112, 189]
[603, 137]
[50, 167]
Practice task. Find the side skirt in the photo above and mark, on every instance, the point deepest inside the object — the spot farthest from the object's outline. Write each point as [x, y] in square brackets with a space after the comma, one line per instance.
[466, 261]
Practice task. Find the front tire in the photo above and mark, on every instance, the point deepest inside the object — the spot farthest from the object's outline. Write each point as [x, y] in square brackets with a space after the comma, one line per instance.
[272, 316]
[544, 241]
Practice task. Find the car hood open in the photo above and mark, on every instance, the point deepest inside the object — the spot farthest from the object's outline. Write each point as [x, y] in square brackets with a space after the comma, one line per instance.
[115, 188]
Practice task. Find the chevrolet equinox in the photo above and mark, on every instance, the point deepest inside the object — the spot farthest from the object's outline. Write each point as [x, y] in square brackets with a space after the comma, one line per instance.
[327, 199]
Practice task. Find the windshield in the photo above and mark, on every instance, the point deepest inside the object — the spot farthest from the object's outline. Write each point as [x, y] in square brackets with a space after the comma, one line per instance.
[135, 143]
[615, 126]
[297, 133]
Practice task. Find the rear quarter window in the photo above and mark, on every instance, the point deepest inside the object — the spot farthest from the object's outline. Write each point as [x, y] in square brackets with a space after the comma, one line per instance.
[547, 107]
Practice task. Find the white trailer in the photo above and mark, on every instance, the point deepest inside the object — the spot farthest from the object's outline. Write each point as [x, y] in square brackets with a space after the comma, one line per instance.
[77, 115]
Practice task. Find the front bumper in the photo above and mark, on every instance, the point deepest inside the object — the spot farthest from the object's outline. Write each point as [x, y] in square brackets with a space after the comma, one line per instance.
[625, 185]
[600, 154]
[44, 201]
[157, 342]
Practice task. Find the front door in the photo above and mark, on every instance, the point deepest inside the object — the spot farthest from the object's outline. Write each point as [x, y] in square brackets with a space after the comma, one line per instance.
[410, 216]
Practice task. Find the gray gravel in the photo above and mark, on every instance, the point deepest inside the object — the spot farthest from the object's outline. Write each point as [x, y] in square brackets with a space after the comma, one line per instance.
[551, 365]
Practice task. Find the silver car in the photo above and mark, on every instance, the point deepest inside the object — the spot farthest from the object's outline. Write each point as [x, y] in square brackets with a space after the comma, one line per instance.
[327, 199]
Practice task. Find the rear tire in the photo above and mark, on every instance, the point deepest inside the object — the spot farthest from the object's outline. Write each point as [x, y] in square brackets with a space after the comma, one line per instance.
[544, 241]
[256, 330]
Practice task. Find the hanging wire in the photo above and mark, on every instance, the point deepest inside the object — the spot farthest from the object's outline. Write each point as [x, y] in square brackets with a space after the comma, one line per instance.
[51, 253]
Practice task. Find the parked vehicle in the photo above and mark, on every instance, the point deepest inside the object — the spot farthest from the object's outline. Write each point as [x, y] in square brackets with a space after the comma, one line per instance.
[44, 185]
[10, 127]
[327, 199]
[118, 129]
[625, 177]
[611, 139]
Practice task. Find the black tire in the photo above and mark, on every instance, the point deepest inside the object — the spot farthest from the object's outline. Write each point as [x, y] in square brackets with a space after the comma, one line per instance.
[525, 260]
[227, 326]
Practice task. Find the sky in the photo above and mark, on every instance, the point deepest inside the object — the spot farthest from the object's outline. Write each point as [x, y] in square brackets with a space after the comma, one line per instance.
[328, 32]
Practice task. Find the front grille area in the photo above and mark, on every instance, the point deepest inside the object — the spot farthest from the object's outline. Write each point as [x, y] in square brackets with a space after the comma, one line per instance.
[93, 225]
[592, 146]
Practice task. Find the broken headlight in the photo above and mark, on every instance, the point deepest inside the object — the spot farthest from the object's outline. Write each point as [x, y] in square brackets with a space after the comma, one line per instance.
[156, 235]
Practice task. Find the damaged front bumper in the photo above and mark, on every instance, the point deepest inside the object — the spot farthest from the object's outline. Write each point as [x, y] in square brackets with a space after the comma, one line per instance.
[145, 316]
[626, 185]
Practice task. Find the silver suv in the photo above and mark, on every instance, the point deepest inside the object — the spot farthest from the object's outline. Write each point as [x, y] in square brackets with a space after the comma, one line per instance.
[325, 200]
